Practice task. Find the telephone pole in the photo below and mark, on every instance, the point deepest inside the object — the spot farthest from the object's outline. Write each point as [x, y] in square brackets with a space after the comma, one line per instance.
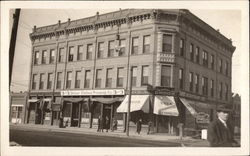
[129, 100]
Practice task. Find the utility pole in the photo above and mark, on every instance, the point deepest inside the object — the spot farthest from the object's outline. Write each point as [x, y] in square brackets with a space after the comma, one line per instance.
[13, 41]
[129, 100]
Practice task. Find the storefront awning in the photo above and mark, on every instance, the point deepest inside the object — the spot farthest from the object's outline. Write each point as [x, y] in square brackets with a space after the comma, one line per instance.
[75, 100]
[107, 100]
[187, 104]
[165, 105]
[138, 102]
[33, 100]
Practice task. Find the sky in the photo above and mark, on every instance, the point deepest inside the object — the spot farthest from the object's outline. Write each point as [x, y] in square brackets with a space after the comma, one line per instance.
[227, 21]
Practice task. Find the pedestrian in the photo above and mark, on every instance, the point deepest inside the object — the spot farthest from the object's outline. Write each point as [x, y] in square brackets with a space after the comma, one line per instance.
[99, 124]
[138, 126]
[150, 124]
[107, 123]
[220, 132]
[114, 124]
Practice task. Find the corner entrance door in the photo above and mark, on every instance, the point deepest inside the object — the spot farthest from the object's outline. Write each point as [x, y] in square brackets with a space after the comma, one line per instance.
[107, 112]
[75, 114]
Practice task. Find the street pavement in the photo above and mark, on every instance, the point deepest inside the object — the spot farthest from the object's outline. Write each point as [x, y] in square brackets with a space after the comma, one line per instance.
[153, 140]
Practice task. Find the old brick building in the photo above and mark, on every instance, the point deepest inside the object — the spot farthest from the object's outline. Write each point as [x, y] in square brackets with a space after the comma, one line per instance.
[80, 69]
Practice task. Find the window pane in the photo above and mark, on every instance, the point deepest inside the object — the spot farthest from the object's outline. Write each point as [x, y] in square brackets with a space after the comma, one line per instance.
[145, 75]
[89, 51]
[100, 50]
[80, 52]
[109, 78]
[146, 44]
[165, 75]
[71, 54]
[52, 56]
[135, 43]
[111, 49]
[78, 79]
[134, 79]
[87, 79]
[167, 43]
[120, 76]
[61, 55]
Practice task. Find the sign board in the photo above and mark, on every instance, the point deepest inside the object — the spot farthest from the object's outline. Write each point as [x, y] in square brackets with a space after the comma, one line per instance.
[92, 92]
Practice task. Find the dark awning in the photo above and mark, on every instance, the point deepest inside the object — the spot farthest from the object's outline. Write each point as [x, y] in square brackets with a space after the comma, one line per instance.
[32, 101]
[107, 100]
[75, 100]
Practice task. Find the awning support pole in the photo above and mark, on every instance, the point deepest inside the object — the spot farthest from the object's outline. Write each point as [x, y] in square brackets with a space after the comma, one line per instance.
[129, 100]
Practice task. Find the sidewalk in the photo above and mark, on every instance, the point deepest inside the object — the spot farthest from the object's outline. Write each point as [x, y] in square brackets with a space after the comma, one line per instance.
[185, 142]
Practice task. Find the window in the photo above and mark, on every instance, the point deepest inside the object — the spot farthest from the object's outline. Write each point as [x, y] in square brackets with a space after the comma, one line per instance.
[212, 61]
[191, 81]
[165, 75]
[109, 78]
[59, 80]
[204, 85]
[69, 80]
[122, 45]
[212, 88]
[220, 65]
[87, 79]
[120, 77]
[204, 58]
[197, 54]
[41, 84]
[167, 43]
[220, 90]
[197, 83]
[181, 78]
[134, 78]
[36, 57]
[71, 54]
[191, 50]
[78, 79]
[100, 50]
[111, 49]
[89, 51]
[98, 81]
[49, 83]
[145, 75]
[226, 68]
[79, 52]
[146, 44]
[44, 55]
[52, 56]
[226, 91]
[135, 43]
[182, 47]
[61, 55]
[34, 80]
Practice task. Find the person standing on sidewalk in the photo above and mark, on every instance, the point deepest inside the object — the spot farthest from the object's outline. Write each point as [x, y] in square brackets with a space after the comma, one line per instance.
[107, 123]
[99, 124]
[220, 132]
[138, 126]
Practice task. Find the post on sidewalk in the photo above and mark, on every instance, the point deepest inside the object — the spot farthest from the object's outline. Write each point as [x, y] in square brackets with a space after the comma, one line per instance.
[180, 126]
[129, 100]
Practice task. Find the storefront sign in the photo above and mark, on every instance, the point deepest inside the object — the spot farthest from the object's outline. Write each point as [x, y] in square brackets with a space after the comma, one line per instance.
[92, 92]
[202, 117]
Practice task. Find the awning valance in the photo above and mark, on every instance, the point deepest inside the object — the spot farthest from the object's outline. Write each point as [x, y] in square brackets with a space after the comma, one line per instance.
[138, 102]
[187, 104]
[75, 100]
[33, 100]
[165, 105]
[107, 100]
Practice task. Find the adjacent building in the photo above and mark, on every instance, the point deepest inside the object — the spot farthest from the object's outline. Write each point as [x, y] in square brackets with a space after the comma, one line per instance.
[17, 107]
[180, 69]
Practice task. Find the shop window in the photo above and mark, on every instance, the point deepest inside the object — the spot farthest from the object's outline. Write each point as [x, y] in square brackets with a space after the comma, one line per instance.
[146, 44]
[145, 75]
[87, 79]
[44, 55]
[98, 81]
[59, 80]
[61, 55]
[67, 109]
[165, 76]
[71, 54]
[135, 45]
[79, 52]
[52, 56]
[69, 80]
[78, 79]
[109, 78]
[111, 49]
[167, 43]
[120, 77]
[49, 83]
[100, 52]
[36, 57]
[89, 51]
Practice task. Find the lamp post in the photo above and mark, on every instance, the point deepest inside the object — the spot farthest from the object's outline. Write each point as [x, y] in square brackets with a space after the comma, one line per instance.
[129, 100]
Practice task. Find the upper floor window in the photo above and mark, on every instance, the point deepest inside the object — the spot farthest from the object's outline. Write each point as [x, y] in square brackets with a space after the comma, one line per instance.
[122, 47]
[134, 78]
[111, 49]
[42, 80]
[204, 58]
[191, 81]
[135, 45]
[89, 51]
[59, 80]
[197, 54]
[52, 56]
[78, 79]
[36, 57]
[226, 91]
[191, 50]
[167, 43]
[166, 76]
[181, 78]
[212, 88]
[182, 47]
[145, 75]
[226, 68]
[69, 80]
[87, 79]
[220, 65]
[204, 85]
[196, 81]
[44, 56]
[71, 54]
[79, 52]
[49, 83]
[34, 80]
[109, 78]
[120, 76]
[100, 52]
[146, 44]
[61, 55]
[98, 82]
[220, 90]
[212, 61]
